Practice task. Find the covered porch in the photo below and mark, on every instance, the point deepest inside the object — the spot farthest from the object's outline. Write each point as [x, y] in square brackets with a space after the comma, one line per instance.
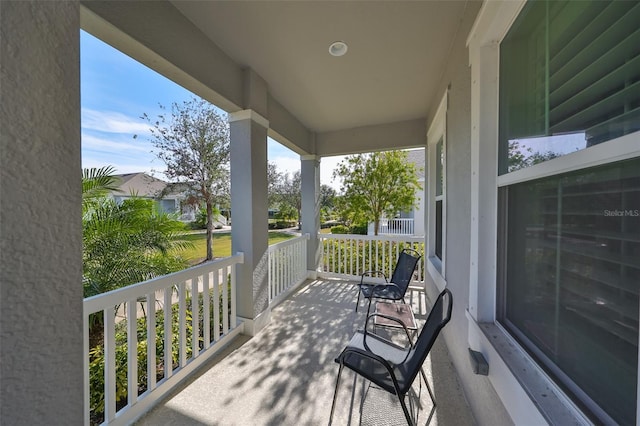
[418, 74]
[286, 375]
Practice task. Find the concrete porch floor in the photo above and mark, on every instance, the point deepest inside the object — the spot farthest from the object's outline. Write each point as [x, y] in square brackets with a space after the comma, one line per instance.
[286, 374]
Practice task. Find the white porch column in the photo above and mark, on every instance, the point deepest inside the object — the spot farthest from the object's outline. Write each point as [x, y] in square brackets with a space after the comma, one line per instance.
[41, 367]
[249, 216]
[310, 187]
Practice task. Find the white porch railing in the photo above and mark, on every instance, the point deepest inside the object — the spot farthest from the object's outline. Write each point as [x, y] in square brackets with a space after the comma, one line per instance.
[398, 226]
[194, 314]
[351, 255]
[287, 267]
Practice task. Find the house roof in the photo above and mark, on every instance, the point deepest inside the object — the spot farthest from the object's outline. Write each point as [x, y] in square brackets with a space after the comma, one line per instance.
[141, 184]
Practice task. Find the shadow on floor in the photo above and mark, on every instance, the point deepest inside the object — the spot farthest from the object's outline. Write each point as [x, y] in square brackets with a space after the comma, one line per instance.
[286, 374]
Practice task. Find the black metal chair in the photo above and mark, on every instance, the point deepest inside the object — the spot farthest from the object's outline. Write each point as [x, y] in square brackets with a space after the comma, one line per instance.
[392, 367]
[396, 289]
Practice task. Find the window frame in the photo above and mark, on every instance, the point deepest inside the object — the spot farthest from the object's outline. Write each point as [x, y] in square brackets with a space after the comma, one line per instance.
[436, 267]
[517, 390]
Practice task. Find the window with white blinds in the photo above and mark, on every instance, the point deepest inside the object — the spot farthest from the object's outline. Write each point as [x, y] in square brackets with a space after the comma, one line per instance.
[569, 79]
[571, 262]
[569, 239]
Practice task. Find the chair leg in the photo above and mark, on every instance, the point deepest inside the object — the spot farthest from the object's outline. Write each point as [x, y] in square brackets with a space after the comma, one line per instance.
[335, 394]
[368, 308]
[358, 301]
[407, 415]
[433, 397]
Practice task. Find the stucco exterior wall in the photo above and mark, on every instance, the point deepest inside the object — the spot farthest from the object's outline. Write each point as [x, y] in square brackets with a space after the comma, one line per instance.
[41, 368]
[485, 404]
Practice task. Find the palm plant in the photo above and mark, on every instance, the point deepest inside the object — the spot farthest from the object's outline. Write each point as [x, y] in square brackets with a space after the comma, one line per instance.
[124, 243]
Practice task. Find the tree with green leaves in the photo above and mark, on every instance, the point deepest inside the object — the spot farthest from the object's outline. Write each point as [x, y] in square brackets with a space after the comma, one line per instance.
[520, 157]
[289, 194]
[193, 142]
[327, 197]
[327, 202]
[274, 178]
[375, 185]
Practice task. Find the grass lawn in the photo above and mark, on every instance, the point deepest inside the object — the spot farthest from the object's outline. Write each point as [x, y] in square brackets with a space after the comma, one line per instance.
[221, 245]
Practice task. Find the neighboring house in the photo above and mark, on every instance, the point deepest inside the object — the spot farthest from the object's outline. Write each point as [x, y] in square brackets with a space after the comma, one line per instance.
[409, 222]
[173, 202]
[146, 186]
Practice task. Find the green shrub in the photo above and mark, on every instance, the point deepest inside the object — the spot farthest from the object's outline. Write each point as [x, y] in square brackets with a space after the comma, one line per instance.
[339, 229]
[96, 354]
[283, 224]
[361, 229]
[367, 255]
[201, 219]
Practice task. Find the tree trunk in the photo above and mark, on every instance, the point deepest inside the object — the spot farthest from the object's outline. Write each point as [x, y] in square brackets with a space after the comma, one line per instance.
[376, 224]
[209, 230]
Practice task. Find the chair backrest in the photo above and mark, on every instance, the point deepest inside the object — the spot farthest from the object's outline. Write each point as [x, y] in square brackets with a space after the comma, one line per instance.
[438, 317]
[405, 267]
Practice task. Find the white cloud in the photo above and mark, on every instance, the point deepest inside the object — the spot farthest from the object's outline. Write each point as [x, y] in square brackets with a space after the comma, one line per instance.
[327, 165]
[124, 167]
[112, 122]
[290, 163]
[286, 164]
[90, 142]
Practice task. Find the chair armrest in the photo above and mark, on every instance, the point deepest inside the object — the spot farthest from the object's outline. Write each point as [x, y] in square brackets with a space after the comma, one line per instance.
[371, 273]
[404, 327]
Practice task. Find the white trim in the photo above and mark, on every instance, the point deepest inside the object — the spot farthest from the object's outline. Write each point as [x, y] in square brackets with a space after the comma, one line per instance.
[249, 114]
[438, 125]
[622, 148]
[309, 157]
[252, 326]
[514, 398]
[513, 379]
[434, 266]
[493, 22]
[437, 132]
[530, 396]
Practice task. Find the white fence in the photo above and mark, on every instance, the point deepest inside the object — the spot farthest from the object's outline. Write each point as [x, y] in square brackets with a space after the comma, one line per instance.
[351, 255]
[398, 226]
[287, 267]
[193, 312]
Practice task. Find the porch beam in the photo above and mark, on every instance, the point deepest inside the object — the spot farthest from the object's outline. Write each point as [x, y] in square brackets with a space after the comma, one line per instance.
[380, 137]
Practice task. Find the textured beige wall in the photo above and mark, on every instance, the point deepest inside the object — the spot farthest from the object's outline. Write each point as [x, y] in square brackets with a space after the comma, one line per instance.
[484, 401]
[41, 371]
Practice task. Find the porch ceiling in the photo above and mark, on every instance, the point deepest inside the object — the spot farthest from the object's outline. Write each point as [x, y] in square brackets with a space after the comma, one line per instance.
[316, 103]
[396, 56]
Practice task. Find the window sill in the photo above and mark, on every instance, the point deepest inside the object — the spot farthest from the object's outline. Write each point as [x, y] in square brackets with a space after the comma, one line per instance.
[434, 268]
[527, 393]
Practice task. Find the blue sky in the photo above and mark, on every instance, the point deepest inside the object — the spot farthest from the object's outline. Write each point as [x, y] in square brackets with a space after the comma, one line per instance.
[115, 91]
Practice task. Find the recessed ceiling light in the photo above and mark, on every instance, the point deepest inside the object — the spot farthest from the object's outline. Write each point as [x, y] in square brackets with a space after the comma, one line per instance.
[338, 48]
